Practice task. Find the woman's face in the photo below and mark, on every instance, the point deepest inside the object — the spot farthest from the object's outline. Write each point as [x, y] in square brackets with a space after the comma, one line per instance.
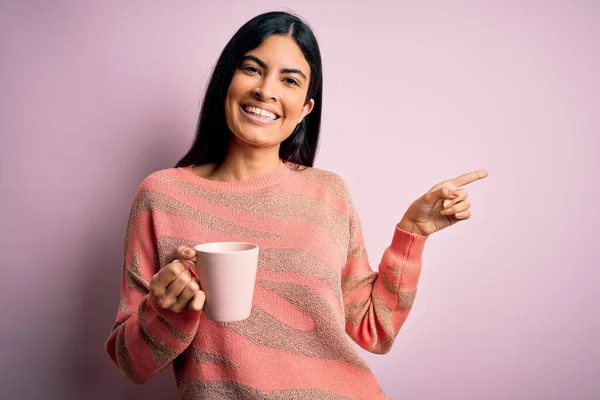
[265, 100]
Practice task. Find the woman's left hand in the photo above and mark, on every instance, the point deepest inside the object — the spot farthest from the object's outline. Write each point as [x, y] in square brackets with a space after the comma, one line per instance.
[442, 206]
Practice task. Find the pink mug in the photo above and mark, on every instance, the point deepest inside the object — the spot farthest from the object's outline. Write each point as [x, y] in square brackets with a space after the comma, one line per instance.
[227, 274]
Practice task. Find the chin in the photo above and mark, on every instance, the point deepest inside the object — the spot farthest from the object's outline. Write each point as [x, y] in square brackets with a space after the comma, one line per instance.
[257, 139]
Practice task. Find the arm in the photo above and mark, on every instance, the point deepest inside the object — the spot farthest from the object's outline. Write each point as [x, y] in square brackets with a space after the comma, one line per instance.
[377, 303]
[145, 337]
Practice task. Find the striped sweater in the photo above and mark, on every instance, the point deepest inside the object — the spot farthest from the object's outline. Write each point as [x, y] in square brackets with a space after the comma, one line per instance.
[315, 288]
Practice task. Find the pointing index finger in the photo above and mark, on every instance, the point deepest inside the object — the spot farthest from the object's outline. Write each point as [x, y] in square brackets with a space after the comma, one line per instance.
[469, 178]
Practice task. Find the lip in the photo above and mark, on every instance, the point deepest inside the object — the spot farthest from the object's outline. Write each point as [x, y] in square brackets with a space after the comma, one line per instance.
[257, 120]
[263, 107]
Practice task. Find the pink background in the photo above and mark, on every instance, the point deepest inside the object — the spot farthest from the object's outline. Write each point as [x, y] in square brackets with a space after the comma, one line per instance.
[96, 95]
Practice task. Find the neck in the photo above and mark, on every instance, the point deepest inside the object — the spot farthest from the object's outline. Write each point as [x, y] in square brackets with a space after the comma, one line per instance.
[242, 163]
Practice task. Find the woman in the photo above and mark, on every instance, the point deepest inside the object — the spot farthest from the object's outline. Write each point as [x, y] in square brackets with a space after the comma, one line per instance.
[249, 177]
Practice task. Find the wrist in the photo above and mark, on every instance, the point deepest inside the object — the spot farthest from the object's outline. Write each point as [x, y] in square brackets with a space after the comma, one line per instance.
[410, 227]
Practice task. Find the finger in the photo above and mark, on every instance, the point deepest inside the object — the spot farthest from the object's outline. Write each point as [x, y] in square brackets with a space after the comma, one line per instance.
[462, 194]
[161, 280]
[441, 193]
[469, 178]
[197, 301]
[181, 253]
[185, 296]
[174, 289]
[463, 215]
[178, 285]
[457, 208]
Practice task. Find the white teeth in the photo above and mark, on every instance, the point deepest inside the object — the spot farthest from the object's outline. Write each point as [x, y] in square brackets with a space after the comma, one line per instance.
[260, 112]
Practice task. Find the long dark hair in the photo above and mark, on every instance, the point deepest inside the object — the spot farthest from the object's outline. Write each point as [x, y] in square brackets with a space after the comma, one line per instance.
[212, 133]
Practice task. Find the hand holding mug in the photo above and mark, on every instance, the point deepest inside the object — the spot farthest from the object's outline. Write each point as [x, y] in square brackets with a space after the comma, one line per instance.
[174, 286]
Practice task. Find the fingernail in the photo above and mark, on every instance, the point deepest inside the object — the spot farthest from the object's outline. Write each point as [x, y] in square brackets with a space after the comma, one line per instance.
[446, 203]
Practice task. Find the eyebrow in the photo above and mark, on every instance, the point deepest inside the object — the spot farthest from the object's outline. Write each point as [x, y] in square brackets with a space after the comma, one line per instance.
[264, 65]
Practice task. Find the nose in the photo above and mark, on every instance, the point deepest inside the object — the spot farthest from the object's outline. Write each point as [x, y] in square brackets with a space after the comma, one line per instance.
[265, 90]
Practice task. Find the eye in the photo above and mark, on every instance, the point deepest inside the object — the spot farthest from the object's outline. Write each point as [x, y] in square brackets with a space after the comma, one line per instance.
[291, 81]
[250, 69]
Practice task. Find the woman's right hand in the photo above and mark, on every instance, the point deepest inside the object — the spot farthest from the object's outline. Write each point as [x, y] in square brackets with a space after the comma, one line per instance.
[174, 286]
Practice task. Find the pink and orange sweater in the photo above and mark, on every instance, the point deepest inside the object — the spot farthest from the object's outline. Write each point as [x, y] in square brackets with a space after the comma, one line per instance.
[315, 289]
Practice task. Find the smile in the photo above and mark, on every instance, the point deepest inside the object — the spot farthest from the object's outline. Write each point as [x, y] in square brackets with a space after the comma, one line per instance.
[258, 115]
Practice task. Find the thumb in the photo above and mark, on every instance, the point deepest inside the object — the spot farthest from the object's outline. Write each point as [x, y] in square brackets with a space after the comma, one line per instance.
[438, 194]
[181, 253]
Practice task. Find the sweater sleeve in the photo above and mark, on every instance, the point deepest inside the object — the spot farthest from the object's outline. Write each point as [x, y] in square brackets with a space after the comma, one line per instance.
[376, 304]
[145, 338]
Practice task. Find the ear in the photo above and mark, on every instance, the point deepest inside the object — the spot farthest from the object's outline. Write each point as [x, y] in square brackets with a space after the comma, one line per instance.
[307, 109]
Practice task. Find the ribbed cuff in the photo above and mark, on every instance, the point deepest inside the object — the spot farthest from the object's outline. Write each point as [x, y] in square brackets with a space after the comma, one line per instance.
[406, 245]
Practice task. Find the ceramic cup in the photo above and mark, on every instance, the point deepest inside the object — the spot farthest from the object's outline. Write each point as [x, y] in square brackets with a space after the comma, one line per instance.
[227, 274]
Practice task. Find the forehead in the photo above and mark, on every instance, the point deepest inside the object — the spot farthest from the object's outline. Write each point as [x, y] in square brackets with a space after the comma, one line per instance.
[281, 51]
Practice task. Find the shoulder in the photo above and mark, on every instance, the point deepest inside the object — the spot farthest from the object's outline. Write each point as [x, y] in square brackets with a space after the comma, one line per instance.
[328, 180]
[155, 185]
[158, 179]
